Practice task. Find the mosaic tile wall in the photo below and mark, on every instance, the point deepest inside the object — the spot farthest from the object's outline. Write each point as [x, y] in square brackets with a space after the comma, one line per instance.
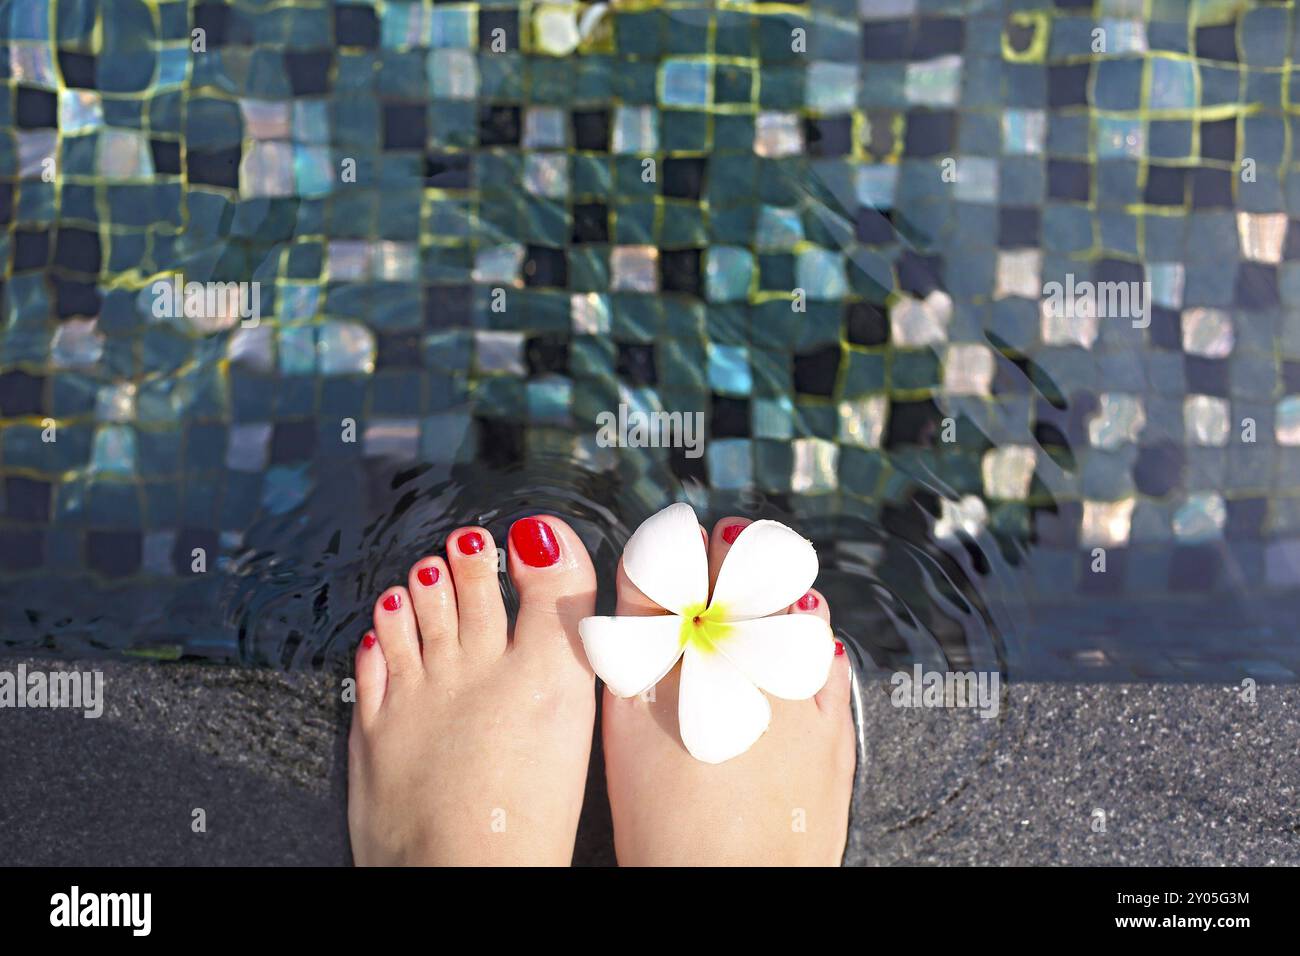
[920, 169]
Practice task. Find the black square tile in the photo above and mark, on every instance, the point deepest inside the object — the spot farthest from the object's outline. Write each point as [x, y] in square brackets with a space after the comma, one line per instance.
[501, 443]
[871, 227]
[1018, 226]
[1245, 518]
[308, 71]
[217, 167]
[1217, 43]
[815, 372]
[886, 39]
[912, 423]
[590, 222]
[636, 363]
[679, 270]
[1195, 569]
[114, 554]
[1256, 286]
[730, 418]
[356, 25]
[684, 177]
[937, 36]
[492, 21]
[448, 306]
[447, 171]
[166, 157]
[686, 468]
[21, 550]
[404, 126]
[591, 130]
[72, 298]
[546, 267]
[36, 109]
[929, 132]
[1069, 180]
[1291, 376]
[214, 20]
[21, 394]
[1219, 140]
[6, 203]
[498, 126]
[866, 323]
[26, 499]
[1211, 188]
[78, 70]
[547, 354]
[1158, 469]
[1067, 85]
[398, 350]
[919, 274]
[1206, 376]
[1166, 330]
[1166, 186]
[293, 441]
[31, 249]
[77, 250]
[828, 136]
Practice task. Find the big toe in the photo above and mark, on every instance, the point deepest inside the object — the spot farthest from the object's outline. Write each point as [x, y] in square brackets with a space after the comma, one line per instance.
[552, 572]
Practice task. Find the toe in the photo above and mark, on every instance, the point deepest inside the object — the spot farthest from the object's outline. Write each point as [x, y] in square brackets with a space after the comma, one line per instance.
[397, 632]
[631, 600]
[724, 535]
[372, 678]
[556, 583]
[833, 698]
[472, 557]
[434, 600]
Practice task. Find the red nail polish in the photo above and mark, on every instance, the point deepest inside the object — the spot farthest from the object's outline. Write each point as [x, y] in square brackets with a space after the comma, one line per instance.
[535, 543]
[839, 648]
[392, 602]
[731, 532]
[427, 576]
[808, 602]
[369, 640]
[471, 542]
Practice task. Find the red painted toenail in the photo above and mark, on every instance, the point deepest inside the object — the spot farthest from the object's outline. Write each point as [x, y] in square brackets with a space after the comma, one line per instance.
[392, 602]
[470, 543]
[428, 576]
[369, 639]
[808, 602]
[839, 648]
[731, 532]
[535, 542]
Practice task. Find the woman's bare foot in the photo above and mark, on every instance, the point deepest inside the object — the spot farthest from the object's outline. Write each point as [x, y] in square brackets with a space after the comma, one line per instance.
[785, 801]
[468, 746]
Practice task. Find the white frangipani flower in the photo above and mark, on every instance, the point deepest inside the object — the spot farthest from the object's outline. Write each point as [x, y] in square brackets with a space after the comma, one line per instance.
[731, 650]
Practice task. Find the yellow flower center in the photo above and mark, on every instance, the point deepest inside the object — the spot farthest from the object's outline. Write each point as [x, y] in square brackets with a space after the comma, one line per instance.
[704, 626]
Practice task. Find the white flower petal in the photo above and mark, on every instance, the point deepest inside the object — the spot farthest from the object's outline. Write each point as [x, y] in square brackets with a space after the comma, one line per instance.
[719, 710]
[631, 654]
[665, 558]
[768, 568]
[788, 655]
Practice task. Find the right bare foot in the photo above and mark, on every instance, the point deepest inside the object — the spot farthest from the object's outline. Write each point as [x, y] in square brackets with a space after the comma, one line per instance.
[468, 747]
[785, 801]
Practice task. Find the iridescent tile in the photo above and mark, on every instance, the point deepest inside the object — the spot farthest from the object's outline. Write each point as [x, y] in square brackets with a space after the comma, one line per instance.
[1167, 280]
[35, 146]
[730, 463]
[77, 343]
[728, 273]
[405, 25]
[1205, 420]
[1119, 420]
[815, 463]
[345, 348]
[549, 399]
[285, 487]
[831, 87]
[313, 176]
[266, 119]
[589, 313]
[499, 264]
[252, 348]
[634, 269]
[1207, 332]
[453, 74]
[968, 369]
[396, 438]
[820, 273]
[777, 135]
[1262, 235]
[1019, 273]
[779, 229]
[544, 126]
[874, 186]
[348, 259]
[266, 170]
[1023, 131]
[1173, 84]
[729, 371]
[916, 322]
[297, 301]
[886, 9]
[636, 129]
[124, 154]
[33, 64]
[1070, 322]
[684, 82]
[977, 179]
[773, 417]
[499, 352]
[1106, 523]
[968, 515]
[116, 402]
[395, 261]
[547, 174]
[1008, 472]
[1200, 518]
[1286, 421]
[248, 447]
[452, 27]
[1120, 137]
[555, 28]
[298, 350]
[862, 420]
[1125, 36]
[79, 111]
[114, 451]
[934, 82]
[173, 68]
[311, 122]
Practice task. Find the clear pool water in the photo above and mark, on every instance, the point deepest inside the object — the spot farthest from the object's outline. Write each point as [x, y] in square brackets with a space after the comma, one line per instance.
[833, 229]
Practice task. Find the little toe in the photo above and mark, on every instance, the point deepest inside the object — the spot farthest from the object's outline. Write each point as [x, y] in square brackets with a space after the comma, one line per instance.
[472, 557]
[434, 598]
[372, 678]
